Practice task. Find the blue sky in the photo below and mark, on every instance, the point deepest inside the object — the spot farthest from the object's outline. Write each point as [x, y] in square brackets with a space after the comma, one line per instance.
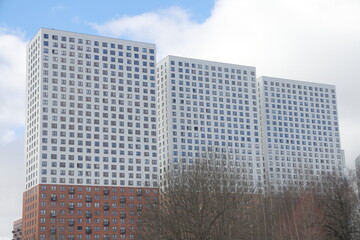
[309, 40]
[29, 16]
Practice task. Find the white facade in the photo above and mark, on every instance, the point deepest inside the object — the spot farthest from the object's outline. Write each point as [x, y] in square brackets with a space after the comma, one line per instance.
[91, 111]
[276, 132]
[300, 132]
[98, 115]
[208, 107]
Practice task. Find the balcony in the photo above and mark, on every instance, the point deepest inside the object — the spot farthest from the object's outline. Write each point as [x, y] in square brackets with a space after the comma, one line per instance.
[106, 191]
[88, 230]
[106, 223]
[53, 214]
[122, 200]
[122, 215]
[122, 230]
[71, 222]
[88, 215]
[106, 207]
[52, 231]
[139, 209]
[71, 206]
[139, 193]
[71, 190]
[88, 199]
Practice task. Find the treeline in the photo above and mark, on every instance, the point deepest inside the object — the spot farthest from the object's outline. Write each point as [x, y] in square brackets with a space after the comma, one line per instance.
[209, 202]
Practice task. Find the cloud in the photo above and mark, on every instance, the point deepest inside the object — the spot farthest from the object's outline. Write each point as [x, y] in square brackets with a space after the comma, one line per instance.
[310, 40]
[12, 116]
[164, 27]
[12, 80]
[11, 184]
[8, 136]
[57, 8]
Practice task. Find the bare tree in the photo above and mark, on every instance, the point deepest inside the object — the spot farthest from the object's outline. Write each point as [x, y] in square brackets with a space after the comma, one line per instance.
[209, 200]
[341, 206]
[202, 201]
[290, 215]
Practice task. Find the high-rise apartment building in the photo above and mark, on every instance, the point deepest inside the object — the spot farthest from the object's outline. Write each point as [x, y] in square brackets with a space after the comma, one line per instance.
[207, 107]
[277, 133]
[16, 232]
[105, 124]
[300, 133]
[91, 136]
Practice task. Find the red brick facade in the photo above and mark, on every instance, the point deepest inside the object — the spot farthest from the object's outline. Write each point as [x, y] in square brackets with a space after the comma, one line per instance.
[84, 212]
[30, 218]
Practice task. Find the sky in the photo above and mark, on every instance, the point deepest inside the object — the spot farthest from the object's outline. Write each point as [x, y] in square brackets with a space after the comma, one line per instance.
[309, 40]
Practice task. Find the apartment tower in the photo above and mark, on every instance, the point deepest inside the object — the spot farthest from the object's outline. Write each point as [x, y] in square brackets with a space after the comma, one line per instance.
[279, 134]
[209, 109]
[300, 133]
[105, 124]
[91, 136]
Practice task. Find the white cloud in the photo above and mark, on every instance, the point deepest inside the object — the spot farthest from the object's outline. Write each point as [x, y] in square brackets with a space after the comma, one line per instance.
[12, 116]
[310, 40]
[8, 136]
[12, 80]
[164, 27]
[57, 8]
[11, 185]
